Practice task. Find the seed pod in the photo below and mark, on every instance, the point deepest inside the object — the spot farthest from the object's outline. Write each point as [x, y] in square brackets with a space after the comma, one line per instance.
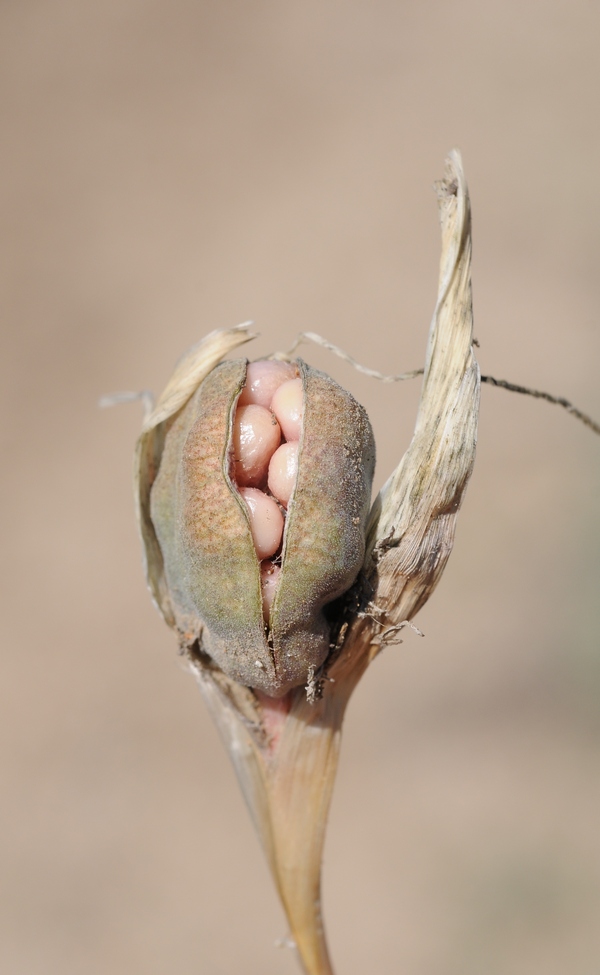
[202, 526]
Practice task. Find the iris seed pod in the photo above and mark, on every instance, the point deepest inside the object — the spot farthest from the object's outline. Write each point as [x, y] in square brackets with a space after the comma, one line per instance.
[202, 526]
[204, 574]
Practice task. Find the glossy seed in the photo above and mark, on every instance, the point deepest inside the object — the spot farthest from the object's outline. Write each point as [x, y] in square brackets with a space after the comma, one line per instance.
[266, 521]
[256, 435]
[288, 406]
[283, 469]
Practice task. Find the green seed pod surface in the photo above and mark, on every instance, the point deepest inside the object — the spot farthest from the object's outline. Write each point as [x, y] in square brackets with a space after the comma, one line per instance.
[203, 529]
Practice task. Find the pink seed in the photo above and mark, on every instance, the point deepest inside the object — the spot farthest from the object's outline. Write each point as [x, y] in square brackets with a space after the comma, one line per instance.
[269, 579]
[262, 379]
[283, 469]
[288, 406]
[266, 521]
[256, 434]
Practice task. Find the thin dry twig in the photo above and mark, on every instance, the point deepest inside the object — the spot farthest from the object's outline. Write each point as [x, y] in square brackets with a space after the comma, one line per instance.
[373, 373]
[538, 394]
[413, 373]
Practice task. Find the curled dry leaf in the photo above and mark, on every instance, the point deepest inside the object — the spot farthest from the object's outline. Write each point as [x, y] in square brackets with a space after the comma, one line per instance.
[283, 734]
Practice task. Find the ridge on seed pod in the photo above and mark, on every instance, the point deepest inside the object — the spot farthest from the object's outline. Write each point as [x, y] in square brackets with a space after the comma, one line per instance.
[269, 579]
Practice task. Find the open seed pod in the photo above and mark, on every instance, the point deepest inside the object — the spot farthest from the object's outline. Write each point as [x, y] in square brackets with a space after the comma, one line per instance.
[204, 529]
[277, 668]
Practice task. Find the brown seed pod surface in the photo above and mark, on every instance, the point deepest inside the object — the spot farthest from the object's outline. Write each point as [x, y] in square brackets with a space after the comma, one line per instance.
[203, 529]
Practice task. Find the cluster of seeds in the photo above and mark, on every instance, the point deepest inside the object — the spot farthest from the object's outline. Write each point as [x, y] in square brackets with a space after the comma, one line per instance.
[266, 437]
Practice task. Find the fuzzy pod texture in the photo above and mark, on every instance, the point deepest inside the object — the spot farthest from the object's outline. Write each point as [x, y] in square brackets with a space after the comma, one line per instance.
[202, 526]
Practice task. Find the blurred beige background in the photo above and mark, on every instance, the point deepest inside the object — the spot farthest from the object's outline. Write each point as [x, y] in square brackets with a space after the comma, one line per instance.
[172, 168]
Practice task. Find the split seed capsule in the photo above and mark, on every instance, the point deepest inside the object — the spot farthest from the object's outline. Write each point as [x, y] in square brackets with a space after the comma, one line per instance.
[204, 529]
